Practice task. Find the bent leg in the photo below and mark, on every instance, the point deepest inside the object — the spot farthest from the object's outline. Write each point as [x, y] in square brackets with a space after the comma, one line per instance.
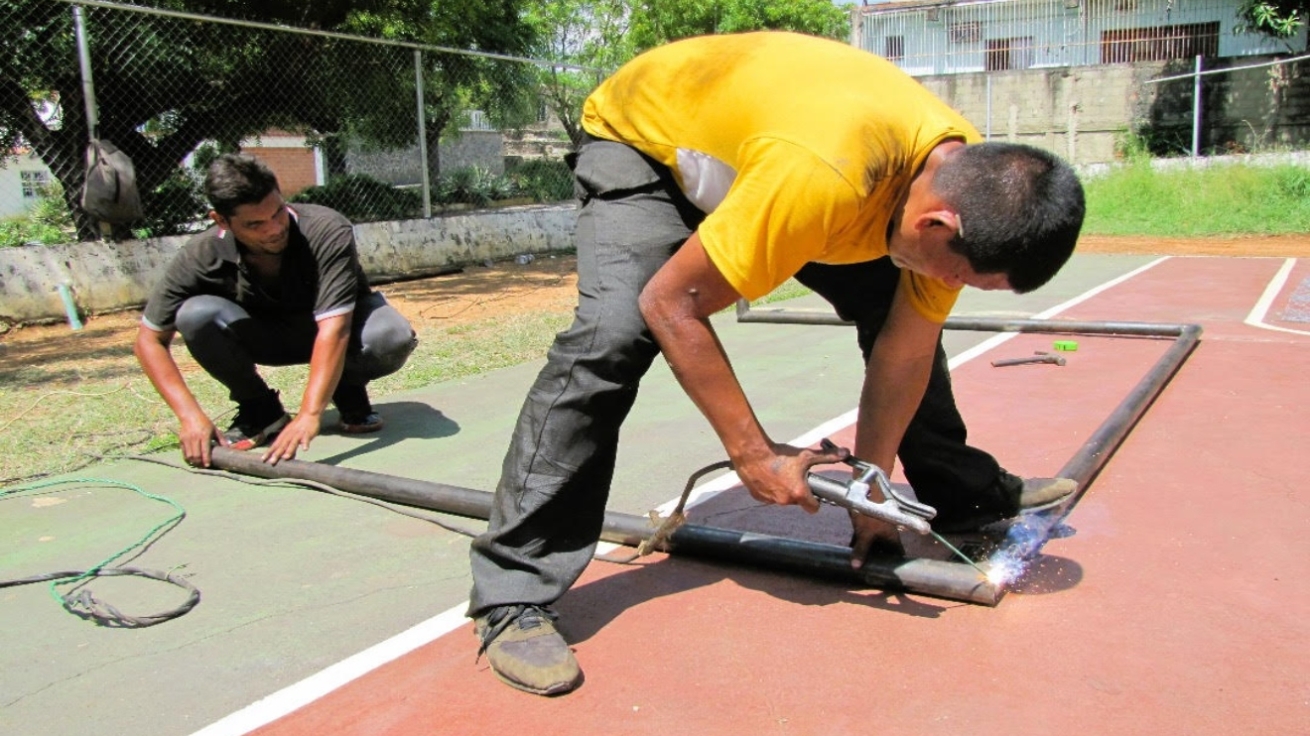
[381, 341]
[228, 343]
[947, 473]
[550, 502]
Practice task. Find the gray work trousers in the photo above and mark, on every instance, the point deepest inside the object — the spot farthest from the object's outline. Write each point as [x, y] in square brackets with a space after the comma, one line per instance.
[550, 502]
[229, 343]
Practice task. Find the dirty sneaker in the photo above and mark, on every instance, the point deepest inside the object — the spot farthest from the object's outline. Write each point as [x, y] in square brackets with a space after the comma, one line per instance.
[526, 651]
[361, 423]
[254, 427]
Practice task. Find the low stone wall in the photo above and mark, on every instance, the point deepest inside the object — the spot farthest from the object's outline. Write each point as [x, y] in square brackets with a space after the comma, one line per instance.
[108, 277]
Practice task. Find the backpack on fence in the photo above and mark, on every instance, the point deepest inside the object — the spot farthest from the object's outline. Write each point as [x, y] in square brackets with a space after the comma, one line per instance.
[110, 193]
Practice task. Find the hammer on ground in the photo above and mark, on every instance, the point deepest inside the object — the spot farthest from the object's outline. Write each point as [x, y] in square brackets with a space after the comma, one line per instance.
[1043, 358]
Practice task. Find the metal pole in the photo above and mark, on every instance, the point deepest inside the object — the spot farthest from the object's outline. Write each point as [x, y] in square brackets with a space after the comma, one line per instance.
[989, 107]
[930, 577]
[88, 86]
[1196, 109]
[422, 134]
[1025, 539]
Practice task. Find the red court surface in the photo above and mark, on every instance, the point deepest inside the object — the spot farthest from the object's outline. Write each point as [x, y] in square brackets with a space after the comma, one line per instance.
[1177, 605]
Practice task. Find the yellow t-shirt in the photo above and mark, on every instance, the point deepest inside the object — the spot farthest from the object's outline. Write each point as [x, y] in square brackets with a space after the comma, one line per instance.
[798, 148]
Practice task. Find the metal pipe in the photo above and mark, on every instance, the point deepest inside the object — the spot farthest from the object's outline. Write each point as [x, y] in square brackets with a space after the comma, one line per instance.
[422, 134]
[1196, 110]
[88, 85]
[952, 580]
[929, 577]
[1025, 540]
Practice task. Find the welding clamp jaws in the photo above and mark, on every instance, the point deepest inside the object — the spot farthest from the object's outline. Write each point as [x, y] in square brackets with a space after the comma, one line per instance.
[854, 495]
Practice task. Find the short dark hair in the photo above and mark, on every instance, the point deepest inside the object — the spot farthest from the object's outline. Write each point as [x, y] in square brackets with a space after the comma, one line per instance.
[235, 179]
[1020, 210]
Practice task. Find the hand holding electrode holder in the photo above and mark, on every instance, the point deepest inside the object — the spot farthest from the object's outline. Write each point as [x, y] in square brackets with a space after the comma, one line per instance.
[854, 495]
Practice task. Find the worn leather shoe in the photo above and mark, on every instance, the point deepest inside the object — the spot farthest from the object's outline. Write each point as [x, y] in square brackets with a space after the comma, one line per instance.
[526, 651]
[1039, 494]
[1034, 494]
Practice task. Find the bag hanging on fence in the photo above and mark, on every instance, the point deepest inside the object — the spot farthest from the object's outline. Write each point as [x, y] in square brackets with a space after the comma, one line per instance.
[110, 193]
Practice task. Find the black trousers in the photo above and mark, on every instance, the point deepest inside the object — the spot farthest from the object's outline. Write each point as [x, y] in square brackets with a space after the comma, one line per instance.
[229, 344]
[550, 501]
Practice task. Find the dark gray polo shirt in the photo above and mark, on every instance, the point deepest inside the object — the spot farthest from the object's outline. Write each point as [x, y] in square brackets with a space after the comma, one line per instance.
[320, 272]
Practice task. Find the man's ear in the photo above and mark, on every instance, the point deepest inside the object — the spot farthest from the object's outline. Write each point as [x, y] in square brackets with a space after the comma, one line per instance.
[218, 219]
[941, 217]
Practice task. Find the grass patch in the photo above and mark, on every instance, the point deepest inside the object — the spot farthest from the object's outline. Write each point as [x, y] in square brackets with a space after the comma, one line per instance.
[59, 423]
[1216, 200]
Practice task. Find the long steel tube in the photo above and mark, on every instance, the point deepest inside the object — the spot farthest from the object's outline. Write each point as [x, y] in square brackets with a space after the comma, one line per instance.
[930, 577]
[956, 581]
[1027, 540]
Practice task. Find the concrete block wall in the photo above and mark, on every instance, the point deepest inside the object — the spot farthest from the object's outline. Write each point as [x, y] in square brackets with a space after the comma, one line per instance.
[108, 277]
[1081, 113]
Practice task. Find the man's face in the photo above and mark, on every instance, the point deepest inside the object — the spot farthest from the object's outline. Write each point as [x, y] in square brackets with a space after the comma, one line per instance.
[925, 249]
[262, 227]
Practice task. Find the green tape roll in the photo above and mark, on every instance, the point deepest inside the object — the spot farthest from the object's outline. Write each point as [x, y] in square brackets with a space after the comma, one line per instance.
[1067, 346]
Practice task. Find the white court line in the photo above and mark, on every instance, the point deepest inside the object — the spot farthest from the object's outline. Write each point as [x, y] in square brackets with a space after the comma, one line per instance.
[293, 697]
[1257, 316]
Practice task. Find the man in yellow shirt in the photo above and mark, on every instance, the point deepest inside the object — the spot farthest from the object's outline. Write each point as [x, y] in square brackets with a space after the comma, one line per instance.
[716, 169]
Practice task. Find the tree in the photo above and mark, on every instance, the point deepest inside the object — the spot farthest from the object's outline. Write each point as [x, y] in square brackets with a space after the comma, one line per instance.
[588, 38]
[164, 85]
[593, 37]
[1281, 19]
[659, 21]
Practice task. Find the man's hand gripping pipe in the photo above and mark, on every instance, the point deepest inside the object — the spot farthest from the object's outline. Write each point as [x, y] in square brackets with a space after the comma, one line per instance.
[854, 495]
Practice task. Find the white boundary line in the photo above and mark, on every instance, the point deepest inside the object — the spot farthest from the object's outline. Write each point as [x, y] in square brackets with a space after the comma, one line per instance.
[1257, 316]
[293, 697]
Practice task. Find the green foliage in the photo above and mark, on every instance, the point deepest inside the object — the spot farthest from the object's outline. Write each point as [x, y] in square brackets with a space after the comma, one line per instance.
[1215, 200]
[659, 21]
[601, 35]
[164, 85]
[474, 185]
[47, 222]
[544, 180]
[362, 198]
[1281, 19]
[175, 207]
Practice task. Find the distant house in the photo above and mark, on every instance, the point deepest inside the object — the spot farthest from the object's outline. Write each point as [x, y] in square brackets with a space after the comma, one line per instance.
[297, 165]
[22, 181]
[933, 38]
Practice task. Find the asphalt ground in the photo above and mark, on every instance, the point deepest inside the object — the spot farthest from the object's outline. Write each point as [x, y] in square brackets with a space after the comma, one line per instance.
[294, 581]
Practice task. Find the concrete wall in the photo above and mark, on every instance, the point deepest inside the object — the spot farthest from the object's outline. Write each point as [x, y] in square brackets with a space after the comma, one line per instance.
[401, 166]
[1080, 112]
[106, 277]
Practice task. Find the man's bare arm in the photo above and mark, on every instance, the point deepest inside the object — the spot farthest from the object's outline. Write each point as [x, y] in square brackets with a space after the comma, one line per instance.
[326, 362]
[677, 304]
[197, 430]
[894, 383]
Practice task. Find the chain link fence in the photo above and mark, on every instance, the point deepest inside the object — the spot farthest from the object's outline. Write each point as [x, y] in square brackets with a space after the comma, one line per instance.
[379, 130]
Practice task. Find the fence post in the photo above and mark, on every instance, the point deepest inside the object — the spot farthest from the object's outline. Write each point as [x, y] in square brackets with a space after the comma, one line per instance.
[422, 134]
[1196, 110]
[88, 86]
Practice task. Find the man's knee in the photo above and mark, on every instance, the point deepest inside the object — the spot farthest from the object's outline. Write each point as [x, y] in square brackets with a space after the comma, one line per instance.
[200, 312]
[388, 341]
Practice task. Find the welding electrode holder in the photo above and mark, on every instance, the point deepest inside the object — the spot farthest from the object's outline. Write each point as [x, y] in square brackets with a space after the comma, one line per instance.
[854, 495]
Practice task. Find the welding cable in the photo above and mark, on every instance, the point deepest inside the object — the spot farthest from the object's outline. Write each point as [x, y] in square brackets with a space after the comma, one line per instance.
[80, 601]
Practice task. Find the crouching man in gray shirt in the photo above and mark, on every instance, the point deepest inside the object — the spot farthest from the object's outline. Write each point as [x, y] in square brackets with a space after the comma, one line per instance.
[269, 285]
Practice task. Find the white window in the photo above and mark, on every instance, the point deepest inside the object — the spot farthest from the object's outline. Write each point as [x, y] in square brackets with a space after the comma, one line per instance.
[34, 183]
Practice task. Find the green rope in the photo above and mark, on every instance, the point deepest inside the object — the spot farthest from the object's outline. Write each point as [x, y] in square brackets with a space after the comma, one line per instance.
[73, 578]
